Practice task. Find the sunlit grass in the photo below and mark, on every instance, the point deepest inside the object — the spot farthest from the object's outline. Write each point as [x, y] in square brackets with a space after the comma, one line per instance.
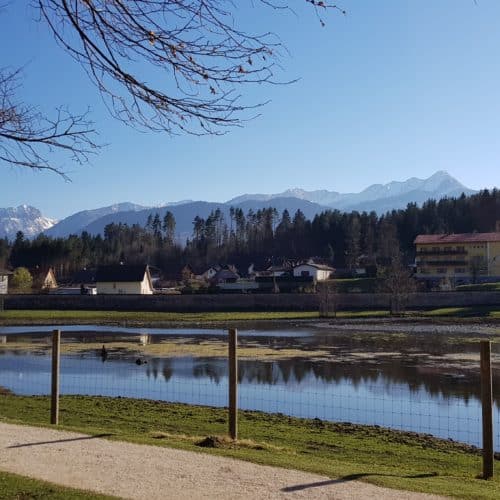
[15, 487]
[142, 318]
[387, 458]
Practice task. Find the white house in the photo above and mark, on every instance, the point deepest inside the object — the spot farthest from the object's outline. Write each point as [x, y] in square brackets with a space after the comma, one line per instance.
[4, 281]
[44, 278]
[124, 279]
[318, 272]
[209, 273]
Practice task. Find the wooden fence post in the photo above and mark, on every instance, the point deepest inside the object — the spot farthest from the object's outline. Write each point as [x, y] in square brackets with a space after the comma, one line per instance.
[54, 393]
[233, 383]
[487, 403]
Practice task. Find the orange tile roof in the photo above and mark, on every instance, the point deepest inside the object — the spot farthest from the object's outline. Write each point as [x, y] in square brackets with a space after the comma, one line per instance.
[423, 239]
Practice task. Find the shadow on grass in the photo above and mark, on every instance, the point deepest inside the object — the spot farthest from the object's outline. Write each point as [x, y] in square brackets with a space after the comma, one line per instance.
[24, 445]
[350, 477]
[464, 312]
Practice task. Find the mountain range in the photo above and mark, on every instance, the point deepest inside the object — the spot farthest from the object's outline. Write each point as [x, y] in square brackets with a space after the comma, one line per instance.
[378, 197]
[23, 218]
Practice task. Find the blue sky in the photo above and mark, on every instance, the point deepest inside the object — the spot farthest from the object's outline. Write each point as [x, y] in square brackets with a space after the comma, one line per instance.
[395, 89]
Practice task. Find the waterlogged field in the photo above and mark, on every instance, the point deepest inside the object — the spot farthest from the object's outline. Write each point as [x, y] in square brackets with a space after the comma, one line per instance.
[425, 379]
[420, 377]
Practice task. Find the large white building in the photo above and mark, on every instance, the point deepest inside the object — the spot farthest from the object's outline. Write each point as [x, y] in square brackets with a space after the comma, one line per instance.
[318, 272]
[124, 279]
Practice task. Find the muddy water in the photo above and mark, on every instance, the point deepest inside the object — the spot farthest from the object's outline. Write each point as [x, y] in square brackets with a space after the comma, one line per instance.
[420, 380]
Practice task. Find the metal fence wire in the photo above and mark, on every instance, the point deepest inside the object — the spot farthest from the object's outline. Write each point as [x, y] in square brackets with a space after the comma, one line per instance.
[272, 377]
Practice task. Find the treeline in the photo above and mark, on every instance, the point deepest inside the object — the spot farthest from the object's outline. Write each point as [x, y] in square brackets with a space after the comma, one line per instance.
[346, 240]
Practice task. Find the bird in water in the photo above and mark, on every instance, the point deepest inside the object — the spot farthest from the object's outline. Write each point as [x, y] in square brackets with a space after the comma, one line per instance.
[140, 361]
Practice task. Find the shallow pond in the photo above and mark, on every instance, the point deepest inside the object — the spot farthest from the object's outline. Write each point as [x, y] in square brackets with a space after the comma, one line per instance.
[419, 382]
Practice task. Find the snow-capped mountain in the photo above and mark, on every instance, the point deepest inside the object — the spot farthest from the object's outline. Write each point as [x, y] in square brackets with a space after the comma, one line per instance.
[74, 223]
[23, 218]
[378, 197]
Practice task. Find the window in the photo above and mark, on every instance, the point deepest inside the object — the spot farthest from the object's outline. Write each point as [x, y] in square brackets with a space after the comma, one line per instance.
[441, 270]
[304, 273]
[459, 270]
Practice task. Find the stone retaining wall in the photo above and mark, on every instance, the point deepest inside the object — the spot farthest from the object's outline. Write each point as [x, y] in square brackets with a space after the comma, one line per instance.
[241, 302]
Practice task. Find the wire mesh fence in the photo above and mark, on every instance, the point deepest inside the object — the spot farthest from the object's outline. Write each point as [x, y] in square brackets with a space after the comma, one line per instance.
[429, 398]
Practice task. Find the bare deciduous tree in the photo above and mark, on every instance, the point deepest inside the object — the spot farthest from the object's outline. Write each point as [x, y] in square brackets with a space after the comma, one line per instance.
[163, 65]
[328, 299]
[28, 138]
[396, 280]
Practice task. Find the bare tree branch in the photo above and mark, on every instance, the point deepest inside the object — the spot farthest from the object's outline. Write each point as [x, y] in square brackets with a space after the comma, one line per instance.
[195, 55]
[27, 137]
[192, 51]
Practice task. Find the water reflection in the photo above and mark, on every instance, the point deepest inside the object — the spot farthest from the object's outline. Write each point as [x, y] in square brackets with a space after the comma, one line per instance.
[399, 382]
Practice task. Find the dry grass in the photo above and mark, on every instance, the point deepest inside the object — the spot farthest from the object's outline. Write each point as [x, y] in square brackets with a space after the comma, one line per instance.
[174, 348]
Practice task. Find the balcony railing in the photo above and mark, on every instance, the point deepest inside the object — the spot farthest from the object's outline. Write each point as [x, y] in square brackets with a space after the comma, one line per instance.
[442, 263]
[447, 251]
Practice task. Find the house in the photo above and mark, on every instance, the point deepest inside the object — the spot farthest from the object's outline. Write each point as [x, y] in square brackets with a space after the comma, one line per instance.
[156, 275]
[44, 279]
[187, 273]
[277, 270]
[84, 277]
[4, 281]
[124, 279]
[225, 275]
[460, 258]
[208, 274]
[318, 272]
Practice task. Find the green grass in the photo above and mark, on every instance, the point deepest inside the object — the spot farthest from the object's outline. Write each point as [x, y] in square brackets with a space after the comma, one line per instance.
[26, 317]
[140, 318]
[464, 312]
[15, 487]
[363, 285]
[387, 458]
[480, 287]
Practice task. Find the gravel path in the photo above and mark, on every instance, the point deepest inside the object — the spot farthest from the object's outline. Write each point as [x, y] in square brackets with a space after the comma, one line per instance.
[149, 472]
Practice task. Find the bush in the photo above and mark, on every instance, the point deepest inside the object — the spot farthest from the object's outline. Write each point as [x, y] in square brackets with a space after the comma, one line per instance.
[22, 280]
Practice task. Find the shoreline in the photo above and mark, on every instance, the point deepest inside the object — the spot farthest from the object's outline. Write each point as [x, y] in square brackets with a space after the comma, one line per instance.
[386, 324]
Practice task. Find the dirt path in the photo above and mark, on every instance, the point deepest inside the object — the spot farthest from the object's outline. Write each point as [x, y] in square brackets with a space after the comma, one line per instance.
[149, 472]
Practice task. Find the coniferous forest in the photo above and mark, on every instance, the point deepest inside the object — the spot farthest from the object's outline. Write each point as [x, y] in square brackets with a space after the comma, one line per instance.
[345, 240]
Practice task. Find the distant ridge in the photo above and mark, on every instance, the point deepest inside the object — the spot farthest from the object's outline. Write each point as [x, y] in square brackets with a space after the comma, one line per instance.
[74, 223]
[378, 197]
[184, 214]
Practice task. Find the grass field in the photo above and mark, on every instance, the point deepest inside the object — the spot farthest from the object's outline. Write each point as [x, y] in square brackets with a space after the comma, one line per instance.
[140, 318]
[364, 285]
[17, 487]
[480, 287]
[387, 458]
[137, 317]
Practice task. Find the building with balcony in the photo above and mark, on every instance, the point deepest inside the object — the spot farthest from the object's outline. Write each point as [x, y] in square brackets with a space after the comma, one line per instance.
[458, 258]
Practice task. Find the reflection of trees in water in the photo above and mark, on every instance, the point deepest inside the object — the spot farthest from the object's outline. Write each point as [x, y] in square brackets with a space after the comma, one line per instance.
[383, 375]
[433, 344]
[166, 369]
[409, 373]
[153, 368]
[211, 369]
[387, 376]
